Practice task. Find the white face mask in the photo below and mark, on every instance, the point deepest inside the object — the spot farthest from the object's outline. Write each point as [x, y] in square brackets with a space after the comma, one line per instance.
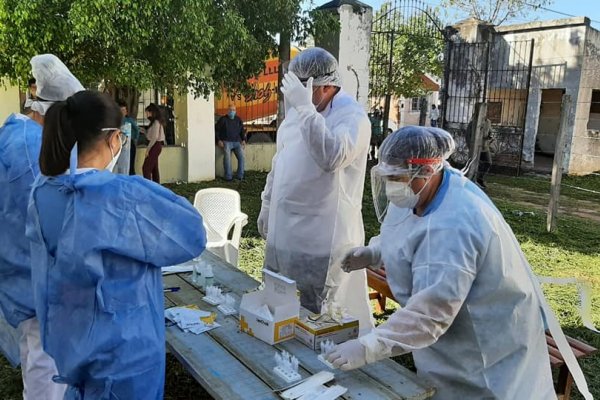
[115, 158]
[400, 194]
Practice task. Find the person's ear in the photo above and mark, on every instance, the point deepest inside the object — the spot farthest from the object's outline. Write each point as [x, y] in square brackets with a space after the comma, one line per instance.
[427, 170]
[114, 139]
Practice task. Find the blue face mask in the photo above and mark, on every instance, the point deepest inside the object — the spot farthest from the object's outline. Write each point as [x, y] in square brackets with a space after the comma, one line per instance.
[231, 114]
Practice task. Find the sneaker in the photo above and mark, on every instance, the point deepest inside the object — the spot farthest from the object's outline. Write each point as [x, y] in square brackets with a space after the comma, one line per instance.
[481, 183]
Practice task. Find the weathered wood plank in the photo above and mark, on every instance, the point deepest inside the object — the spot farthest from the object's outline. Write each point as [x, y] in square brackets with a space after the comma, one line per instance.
[384, 380]
[220, 373]
[557, 164]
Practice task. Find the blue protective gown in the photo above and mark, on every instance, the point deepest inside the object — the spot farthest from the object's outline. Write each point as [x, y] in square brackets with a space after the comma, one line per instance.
[98, 285]
[20, 142]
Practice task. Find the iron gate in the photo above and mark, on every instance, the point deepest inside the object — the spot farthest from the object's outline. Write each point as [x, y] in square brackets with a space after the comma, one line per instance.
[497, 72]
[399, 26]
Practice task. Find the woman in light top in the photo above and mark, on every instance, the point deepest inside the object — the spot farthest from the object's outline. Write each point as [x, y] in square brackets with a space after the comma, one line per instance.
[156, 138]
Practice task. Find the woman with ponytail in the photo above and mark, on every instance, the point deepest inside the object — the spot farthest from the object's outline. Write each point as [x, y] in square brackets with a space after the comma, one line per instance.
[98, 242]
[156, 138]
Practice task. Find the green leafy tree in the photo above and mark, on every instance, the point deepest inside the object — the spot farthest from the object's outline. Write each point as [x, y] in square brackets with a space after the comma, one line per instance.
[132, 45]
[412, 44]
[496, 12]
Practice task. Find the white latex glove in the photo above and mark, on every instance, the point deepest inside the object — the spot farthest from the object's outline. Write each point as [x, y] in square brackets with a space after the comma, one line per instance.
[361, 257]
[348, 355]
[263, 221]
[296, 95]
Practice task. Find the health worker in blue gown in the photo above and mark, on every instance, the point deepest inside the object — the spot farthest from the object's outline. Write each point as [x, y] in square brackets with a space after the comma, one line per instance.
[20, 142]
[98, 242]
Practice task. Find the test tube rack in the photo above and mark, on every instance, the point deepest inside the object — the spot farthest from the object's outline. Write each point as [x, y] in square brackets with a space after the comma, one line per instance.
[228, 305]
[287, 367]
[326, 347]
[214, 295]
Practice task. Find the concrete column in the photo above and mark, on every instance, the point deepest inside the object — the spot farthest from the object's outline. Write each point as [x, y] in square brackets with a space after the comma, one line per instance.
[351, 47]
[200, 117]
[531, 125]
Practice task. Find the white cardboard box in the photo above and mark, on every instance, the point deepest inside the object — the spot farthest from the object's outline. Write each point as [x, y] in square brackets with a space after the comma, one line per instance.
[279, 297]
[313, 333]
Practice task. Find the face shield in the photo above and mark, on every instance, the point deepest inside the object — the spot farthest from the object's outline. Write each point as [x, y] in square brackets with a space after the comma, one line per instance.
[391, 183]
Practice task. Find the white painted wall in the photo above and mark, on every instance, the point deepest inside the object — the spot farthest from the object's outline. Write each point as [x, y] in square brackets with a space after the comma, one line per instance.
[201, 138]
[408, 116]
[354, 51]
[585, 146]
[9, 100]
[172, 163]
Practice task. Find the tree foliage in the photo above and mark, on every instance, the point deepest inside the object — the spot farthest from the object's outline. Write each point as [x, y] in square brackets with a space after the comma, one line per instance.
[200, 45]
[415, 45]
[496, 12]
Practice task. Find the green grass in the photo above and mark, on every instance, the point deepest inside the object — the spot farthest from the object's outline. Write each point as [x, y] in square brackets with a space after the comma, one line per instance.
[541, 185]
[573, 250]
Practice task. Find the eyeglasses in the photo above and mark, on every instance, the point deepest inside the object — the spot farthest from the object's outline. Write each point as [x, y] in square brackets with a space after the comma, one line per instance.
[122, 136]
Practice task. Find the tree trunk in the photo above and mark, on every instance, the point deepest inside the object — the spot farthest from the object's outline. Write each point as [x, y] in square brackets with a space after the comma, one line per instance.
[284, 58]
[422, 111]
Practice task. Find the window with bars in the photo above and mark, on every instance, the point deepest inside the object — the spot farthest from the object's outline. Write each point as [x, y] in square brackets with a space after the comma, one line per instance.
[415, 104]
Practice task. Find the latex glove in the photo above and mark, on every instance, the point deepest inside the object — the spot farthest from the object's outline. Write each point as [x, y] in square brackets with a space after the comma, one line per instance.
[348, 355]
[361, 257]
[296, 95]
[263, 221]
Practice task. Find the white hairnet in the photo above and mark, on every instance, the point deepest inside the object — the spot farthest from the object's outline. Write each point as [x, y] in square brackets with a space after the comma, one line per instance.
[416, 145]
[319, 64]
[54, 81]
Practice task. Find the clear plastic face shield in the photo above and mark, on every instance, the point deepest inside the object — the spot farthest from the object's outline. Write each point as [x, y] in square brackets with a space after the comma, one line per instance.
[391, 183]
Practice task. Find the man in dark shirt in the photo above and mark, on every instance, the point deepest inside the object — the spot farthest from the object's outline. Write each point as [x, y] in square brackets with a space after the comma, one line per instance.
[231, 136]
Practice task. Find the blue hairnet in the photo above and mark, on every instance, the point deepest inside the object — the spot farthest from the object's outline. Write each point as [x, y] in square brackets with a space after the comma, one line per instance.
[319, 64]
[416, 142]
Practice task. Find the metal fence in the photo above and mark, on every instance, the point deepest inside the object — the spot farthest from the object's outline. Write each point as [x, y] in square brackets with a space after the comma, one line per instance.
[497, 72]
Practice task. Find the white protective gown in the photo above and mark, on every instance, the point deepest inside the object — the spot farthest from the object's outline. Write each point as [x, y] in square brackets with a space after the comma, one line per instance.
[469, 312]
[314, 192]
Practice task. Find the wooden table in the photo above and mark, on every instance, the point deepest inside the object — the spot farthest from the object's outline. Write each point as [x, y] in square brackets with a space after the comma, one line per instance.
[232, 365]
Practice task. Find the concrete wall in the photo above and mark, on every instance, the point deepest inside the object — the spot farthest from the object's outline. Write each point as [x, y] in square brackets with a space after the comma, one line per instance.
[557, 64]
[172, 163]
[257, 157]
[9, 100]
[585, 143]
[352, 50]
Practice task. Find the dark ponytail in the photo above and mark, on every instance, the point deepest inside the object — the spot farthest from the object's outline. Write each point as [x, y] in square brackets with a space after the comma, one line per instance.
[80, 119]
[155, 114]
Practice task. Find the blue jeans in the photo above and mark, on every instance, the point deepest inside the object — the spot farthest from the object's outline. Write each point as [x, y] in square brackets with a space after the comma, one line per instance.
[236, 147]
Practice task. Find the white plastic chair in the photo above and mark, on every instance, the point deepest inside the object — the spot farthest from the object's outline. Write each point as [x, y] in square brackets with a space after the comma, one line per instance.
[221, 212]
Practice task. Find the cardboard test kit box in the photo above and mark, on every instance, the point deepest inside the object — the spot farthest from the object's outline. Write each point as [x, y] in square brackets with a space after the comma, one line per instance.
[312, 333]
[270, 314]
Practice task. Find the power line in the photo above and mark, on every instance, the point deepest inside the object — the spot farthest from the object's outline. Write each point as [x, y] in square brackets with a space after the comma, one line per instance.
[557, 12]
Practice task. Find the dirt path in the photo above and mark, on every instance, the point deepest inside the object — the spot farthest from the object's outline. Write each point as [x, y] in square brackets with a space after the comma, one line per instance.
[567, 206]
